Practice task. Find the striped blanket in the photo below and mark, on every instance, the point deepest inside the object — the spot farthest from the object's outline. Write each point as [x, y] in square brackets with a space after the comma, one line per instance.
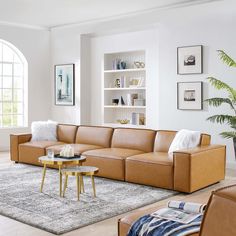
[153, 226]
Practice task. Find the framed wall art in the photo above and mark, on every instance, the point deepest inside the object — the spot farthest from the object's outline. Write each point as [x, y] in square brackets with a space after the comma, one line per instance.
[189, 95]
[64, 85]
[189, 60]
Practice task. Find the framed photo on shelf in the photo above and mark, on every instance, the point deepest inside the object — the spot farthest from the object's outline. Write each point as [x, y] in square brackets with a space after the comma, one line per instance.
[190, 60]
[189, 95]
[64, 85]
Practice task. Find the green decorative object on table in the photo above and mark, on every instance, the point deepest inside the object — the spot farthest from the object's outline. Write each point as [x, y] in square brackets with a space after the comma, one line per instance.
[230, 100]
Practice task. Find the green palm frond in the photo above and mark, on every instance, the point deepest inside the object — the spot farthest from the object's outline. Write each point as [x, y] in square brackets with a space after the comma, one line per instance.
[221, 85]
[230, 99]
[230, 134]
[226, 59]
[222, 119]
[216, 102]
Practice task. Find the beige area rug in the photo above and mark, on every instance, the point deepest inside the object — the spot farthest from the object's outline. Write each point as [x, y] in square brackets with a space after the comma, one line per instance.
[21, 200]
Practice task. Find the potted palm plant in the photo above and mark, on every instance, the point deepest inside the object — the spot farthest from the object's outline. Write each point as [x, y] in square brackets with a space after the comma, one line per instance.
[230, 100]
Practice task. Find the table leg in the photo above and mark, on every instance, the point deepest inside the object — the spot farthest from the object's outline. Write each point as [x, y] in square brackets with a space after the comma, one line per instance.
[65, 185]
[60, 177]
[78, 185]
[43, 177]
[94, 190]
[82, 183]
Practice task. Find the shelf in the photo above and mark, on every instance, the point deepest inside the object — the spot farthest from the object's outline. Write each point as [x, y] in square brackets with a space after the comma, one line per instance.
[114, 89]
[125, 107]
[114, 125]
[126, 70]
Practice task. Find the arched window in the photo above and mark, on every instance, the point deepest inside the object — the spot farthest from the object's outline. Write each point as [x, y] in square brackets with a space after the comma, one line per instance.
[13, 86]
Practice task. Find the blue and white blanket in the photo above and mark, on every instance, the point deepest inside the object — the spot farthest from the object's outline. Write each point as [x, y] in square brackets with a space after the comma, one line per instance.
[153, 226]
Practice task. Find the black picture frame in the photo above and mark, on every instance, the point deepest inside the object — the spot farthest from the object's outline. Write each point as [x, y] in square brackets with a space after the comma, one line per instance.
[190, 60]
[64, 84]
[190, 95]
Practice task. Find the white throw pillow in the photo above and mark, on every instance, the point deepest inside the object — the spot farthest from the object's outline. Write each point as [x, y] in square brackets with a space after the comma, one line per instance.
[184, 139]
[44, 130]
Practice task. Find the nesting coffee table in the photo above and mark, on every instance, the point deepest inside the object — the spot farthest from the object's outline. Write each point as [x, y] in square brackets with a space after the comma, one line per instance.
[79, 172]
[60, 162]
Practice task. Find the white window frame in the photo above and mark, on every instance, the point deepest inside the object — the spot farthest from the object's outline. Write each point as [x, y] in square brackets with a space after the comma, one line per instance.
[24, 63]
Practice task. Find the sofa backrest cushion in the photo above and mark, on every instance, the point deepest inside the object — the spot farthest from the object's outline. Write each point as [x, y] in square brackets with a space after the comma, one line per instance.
[100, 136]
[164, 139]
[139, 139]
[219, 218]
[205, 140]
[66, 133]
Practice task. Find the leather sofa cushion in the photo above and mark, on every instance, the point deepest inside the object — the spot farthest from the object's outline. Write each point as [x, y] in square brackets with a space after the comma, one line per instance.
[110, 161]
[219, 218]
[115, 153]
[40, 144]
[99, 136]
[126, 222]
[78, 148]
[138, 139]
[154, 169]
[163, 140]
[160, 158]
[66, 133]
[30, 152]
[205, 140]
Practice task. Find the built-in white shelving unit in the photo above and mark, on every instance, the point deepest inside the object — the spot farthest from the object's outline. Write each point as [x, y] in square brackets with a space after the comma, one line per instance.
[124, 89]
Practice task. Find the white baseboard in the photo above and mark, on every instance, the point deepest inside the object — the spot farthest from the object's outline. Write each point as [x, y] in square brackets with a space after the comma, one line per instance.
[231, 165]
[4, 148]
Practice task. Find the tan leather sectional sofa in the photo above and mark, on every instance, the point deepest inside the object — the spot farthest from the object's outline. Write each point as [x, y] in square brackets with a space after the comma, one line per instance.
[133, 155]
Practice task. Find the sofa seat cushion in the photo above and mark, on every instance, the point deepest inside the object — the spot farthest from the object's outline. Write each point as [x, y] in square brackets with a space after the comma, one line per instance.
[30, 152]
[160, 158]
[115, 153]
[110, 161]
[154, 169]
[40, 144]
[78, 148]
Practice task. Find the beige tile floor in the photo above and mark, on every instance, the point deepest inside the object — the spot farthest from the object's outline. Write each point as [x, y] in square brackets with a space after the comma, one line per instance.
[9, 227]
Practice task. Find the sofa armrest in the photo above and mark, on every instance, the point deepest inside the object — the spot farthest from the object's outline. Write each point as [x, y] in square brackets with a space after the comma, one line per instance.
[15, 140]
[198, 167]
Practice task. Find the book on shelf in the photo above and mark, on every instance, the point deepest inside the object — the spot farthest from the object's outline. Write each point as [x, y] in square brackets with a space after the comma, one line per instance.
[138, 118]
[182, 212]
[130, 98]
[123, 81]
[141, 82]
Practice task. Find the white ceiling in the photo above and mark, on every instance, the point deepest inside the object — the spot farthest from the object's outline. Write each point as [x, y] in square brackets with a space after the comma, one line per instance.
[52, 13]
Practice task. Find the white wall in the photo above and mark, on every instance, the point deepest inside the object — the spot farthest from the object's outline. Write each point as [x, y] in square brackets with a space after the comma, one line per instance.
[65, 49]
[214, 30]
[160, 33]
[34, 44]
